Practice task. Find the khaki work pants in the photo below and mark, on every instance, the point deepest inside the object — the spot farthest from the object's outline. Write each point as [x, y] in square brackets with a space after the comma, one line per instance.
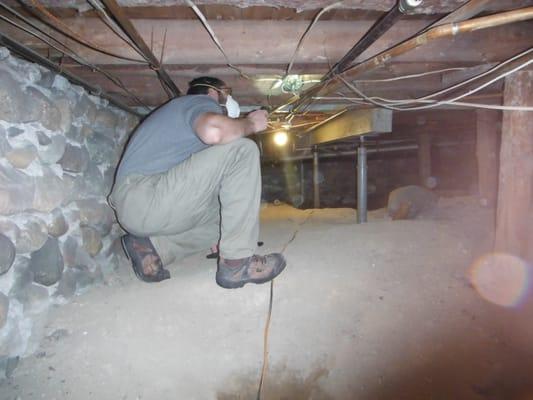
[214, 196]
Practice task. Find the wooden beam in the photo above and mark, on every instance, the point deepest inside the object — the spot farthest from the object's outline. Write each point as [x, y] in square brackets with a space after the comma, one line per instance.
[516, 168]
[433, 35]
[128, 28]
[245, 42]
[214, 8]
[222, 12]
[488, 128]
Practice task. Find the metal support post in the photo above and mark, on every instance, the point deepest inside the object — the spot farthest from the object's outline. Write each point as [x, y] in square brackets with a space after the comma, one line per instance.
[316, 188]
[361, 183]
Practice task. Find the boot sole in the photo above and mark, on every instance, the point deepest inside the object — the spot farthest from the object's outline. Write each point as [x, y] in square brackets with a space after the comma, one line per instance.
[137, 268]
[239, 284]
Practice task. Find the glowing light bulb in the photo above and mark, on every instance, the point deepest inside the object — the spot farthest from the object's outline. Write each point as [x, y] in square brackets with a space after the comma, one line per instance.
[281, 138]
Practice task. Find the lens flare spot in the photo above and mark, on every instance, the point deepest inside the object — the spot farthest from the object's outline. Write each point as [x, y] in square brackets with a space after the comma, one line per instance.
[500, 278]
[281, 138]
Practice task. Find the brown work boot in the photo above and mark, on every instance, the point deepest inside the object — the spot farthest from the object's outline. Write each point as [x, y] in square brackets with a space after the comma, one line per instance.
[144, 259]
[232, 274]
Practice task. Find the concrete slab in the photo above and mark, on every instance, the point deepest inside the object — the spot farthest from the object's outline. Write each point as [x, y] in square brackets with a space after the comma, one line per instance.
[383, 310]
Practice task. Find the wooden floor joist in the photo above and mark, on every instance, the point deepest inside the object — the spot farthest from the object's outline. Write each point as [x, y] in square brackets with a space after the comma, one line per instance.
[128, 28]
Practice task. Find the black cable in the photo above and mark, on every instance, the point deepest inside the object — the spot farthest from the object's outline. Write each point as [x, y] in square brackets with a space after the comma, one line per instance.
[71, 35]
[76, 58]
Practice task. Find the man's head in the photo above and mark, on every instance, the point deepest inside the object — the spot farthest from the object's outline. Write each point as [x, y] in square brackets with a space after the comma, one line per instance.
[213, 87]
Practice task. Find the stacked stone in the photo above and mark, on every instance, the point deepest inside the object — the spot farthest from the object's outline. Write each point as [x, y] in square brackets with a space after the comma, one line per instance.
[59, 147]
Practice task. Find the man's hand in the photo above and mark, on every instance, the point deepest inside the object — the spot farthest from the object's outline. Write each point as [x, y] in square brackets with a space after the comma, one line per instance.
[258, 119]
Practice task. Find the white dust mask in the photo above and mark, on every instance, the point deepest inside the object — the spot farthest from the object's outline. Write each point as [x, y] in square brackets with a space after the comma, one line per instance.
[232, 107]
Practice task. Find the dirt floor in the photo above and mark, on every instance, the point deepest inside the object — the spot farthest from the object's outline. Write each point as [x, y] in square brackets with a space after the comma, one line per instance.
[384, 310]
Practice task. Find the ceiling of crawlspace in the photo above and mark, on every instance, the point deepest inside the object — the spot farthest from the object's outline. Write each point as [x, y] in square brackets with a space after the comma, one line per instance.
[263, 42]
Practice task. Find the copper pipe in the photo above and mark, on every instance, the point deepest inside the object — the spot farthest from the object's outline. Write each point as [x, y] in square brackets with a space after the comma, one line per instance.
[438, 32]
[442, 31]
[466, 11]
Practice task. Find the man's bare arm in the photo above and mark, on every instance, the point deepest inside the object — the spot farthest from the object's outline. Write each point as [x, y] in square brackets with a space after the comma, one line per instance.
[213, 128]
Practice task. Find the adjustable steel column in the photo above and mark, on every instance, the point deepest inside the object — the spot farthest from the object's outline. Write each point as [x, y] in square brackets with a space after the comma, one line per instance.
[361, 183]
[316, 189]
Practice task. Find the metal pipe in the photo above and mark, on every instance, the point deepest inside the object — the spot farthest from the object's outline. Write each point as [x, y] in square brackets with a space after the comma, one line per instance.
[374, 33]
[316, 188]
[387, 149]
[442, 31]
[348, 153]
[464, 12]
[33, 56]
[361, 184]
[302, 181]
[437, 32]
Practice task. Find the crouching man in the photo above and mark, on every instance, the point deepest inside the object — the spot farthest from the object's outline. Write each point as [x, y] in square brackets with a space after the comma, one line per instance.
[189, 178]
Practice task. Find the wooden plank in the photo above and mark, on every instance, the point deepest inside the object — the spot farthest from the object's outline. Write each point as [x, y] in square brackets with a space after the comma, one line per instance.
[246, 43]
[297, 6]
[488, 128]
[128, 28]
[516, 168]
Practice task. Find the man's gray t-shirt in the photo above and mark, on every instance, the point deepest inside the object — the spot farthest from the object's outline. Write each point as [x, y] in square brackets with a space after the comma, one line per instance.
[166, 137]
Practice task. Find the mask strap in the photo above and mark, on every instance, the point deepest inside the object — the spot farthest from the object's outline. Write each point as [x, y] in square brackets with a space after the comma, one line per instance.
[209, 86]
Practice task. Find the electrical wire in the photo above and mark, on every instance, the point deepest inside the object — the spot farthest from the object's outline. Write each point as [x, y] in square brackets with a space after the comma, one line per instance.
[72, 54]
[265, 342]
[401, 77]
[306, 104]
[393, 103]
[306, 32]
[29, 22]
[298, 46]
[362, 101]
[66, 31]
[373, 101]
[269, 313]
[476, 77]
[437, 103]
[112, 25]
[80, 60]
[434, 94]
[206, 25]
[443, 31]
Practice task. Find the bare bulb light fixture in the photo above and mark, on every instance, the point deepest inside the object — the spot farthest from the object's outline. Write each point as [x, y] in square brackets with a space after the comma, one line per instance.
[409, 5]
[292, 83]
[281, 138]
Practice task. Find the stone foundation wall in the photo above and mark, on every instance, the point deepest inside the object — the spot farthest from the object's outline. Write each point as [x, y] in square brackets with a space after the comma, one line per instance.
[59, 147]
